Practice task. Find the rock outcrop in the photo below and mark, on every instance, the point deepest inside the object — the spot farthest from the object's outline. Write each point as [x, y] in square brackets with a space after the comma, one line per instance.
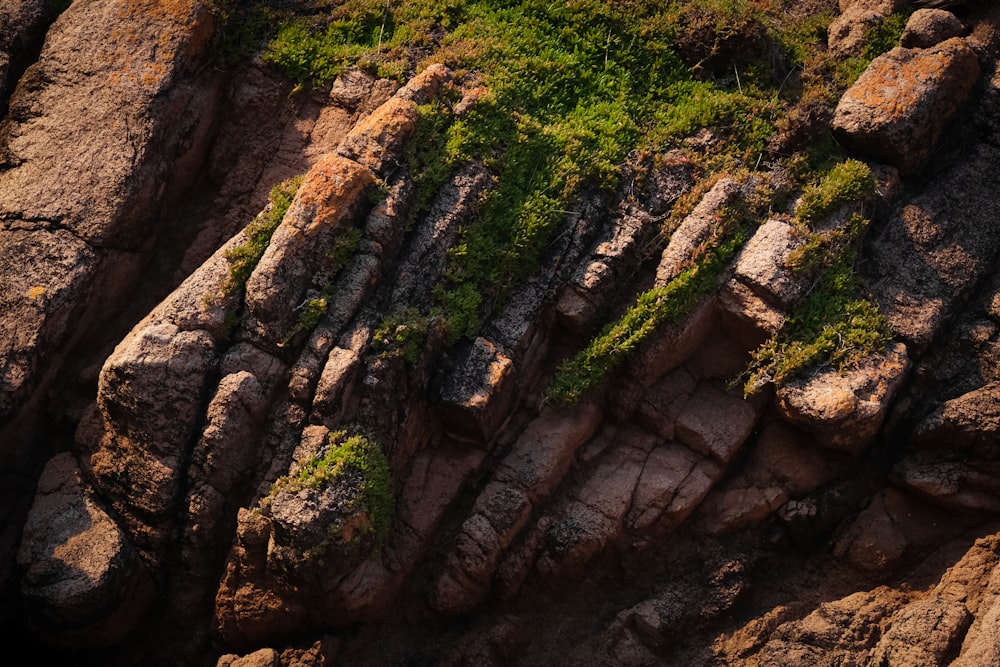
[240, 429]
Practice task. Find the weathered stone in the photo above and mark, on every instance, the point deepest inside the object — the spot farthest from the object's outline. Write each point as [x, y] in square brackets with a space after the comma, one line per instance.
[22, 27]
[376, 142]
[351, 88]
[943, 236]
[544, 451]
[715, 423]
[664, 401]
[150, 396]
[844, 410]
[333, 390]
[923, 633]
[696, 229]
[424, 87]
[478, 394]
[326, 204]
[46, 276]
[761, 264]
[848, 33]
[594, 517]
[746, 316]
[836, 633]
[526, 476]
[971, 422]
[930, 27]
[899, 108]
[673, 344]
[83, 580]
[265, 657]
[673, 483]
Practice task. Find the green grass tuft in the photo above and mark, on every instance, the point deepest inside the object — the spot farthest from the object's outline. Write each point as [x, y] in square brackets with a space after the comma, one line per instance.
[849, 181]
[244, 257]
[350, 452]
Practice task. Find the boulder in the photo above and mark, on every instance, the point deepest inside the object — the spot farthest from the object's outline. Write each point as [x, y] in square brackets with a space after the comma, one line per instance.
[150, 396]
[478, 395]
[696, 229]
[945, 237]
[930, 27]
[840, 632]
[714, 423]
[376, 141]
[926, 632]
[84, 583]
[22, 26]
[899, 108]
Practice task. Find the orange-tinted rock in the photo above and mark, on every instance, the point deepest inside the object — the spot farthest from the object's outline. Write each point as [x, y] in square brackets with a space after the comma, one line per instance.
[844, 410]
[901, 105]
[327, 203]
[375, 142]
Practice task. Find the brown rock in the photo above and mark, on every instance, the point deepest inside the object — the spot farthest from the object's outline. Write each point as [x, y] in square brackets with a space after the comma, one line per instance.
[696, 229]
[673, 483]
[351, 88]
[848, 32]
[761, 264]
[663, 402]
[22, 26]
[845, 409]
[929, 27]
[326, 204]
[944, 237]
[265, 657]
[478, 395]
[424, 87]
[376, 141]
[838, 633]
[900, 107]
[84, 582]
[150, 396]
[544, 451]
[715, 423]
[923, 633]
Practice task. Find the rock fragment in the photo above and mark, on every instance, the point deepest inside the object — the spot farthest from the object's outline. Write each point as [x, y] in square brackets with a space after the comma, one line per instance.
[899, 108]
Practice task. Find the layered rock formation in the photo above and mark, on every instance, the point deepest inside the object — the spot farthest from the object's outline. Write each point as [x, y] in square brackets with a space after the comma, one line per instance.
[235, 436]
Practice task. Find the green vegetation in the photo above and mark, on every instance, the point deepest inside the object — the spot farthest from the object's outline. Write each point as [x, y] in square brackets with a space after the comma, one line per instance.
[350, 456]
[849, 181]
[244, 257]
[835, 326]
[879, 38]
[566, 92]
[657, 307]
[402, 334]
[573, 88]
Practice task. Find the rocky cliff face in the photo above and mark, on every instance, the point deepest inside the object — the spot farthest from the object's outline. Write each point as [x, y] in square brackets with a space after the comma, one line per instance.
[235, 431]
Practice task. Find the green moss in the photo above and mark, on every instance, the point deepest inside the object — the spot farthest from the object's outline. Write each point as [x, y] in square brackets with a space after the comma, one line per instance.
[836, 325]
[879, 38]
[350, 453]
[342, 248]
[402, 334]
[243, 258]
[848, 181]
[669, 304]
[242, 28]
